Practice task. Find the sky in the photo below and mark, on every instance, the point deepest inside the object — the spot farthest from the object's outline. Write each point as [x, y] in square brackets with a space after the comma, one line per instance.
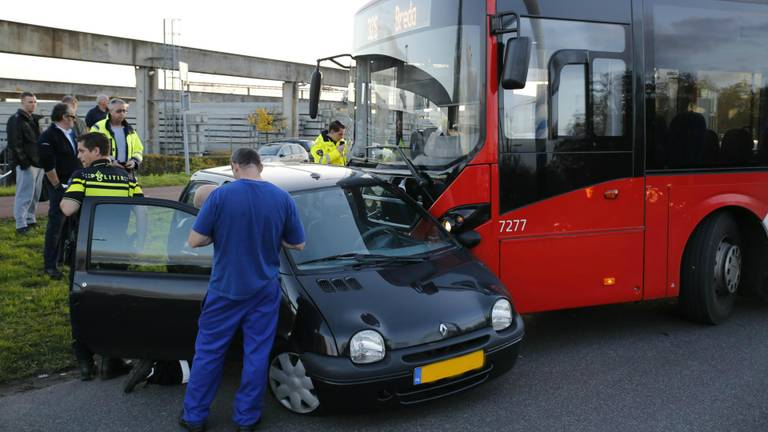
[292, 30]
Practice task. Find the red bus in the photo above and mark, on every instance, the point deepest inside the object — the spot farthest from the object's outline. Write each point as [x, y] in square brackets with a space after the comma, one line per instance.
[601, 151]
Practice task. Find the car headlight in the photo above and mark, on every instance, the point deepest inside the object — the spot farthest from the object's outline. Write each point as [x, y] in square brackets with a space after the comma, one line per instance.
[367, 346]
[501, 314]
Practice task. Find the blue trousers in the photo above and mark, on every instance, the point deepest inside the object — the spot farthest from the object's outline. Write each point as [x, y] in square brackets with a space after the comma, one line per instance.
[219, 320]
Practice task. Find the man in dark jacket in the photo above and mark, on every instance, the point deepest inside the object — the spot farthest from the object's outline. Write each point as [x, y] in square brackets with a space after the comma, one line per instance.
[58, 156]
[97, 113]
[23, 129]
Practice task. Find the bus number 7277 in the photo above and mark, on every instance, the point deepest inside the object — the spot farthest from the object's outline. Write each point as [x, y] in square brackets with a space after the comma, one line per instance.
[512, 225]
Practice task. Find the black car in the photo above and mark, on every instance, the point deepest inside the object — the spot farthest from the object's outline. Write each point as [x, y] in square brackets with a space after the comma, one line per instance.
[383, 306]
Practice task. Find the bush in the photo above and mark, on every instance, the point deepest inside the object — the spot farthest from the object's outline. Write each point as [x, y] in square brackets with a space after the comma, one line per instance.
[167, 164]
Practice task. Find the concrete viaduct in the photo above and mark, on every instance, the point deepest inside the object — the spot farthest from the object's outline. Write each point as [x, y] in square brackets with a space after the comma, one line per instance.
[149, 57]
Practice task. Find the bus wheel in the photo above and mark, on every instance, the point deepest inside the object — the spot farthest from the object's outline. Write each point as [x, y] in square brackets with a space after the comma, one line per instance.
[711, 270]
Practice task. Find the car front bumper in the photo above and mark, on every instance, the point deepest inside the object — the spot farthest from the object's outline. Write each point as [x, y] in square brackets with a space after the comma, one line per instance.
[343, 385]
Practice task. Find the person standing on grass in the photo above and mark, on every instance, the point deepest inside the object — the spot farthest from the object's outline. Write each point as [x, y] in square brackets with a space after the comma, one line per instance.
[58, 156]
[98, 178]
[248, 221]
[23, 130]
[97, 113]
[80, 127]
[127, 150]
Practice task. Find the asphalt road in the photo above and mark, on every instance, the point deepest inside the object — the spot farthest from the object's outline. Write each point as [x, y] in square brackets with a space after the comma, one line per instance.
[635, 367]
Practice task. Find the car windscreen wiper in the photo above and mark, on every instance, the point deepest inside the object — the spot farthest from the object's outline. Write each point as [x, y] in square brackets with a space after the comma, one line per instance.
[368, 259]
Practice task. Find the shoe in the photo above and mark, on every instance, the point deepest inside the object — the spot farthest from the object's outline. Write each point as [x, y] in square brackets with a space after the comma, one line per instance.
[22, 231]
[191, 427]
[32, 225]
[54, 273]
[248, 428]
[140, 372]
[87, 370]
[112, 368]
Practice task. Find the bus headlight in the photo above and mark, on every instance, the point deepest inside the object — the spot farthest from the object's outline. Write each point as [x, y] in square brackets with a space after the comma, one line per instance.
[501, 314]
[367, 346]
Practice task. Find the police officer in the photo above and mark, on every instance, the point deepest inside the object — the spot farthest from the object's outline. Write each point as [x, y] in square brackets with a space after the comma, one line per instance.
[127, 149]
[98, 178]
[329, 147]
[247, 221]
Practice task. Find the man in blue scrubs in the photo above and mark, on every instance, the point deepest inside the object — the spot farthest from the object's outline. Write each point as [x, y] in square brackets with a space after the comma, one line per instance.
[248, 221]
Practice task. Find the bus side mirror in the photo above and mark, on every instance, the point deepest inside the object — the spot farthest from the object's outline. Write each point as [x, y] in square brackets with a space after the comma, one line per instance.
[517, 57]
[314, 92]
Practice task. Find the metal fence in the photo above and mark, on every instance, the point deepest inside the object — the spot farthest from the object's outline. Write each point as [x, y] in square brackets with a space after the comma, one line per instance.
[211, 127]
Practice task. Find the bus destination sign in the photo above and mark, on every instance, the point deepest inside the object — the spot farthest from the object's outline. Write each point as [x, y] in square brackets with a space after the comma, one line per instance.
[390, 18]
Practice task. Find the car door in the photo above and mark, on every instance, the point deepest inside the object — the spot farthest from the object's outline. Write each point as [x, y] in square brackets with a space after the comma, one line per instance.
[136, 288]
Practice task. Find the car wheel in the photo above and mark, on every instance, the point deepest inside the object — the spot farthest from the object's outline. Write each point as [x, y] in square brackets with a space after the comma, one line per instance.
[291, 385]
[712, 270]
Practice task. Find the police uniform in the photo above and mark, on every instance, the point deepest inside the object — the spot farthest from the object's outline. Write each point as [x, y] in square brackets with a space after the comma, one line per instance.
[134, 148]
[101, 179]
[325, 151]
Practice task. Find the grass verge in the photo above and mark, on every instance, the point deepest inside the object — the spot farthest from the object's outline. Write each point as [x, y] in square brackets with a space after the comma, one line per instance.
[147, 181]
[34, 314]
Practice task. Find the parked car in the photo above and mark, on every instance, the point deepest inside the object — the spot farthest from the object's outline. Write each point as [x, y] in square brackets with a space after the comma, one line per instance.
[283, 152]
[307, 144]
[382, 306]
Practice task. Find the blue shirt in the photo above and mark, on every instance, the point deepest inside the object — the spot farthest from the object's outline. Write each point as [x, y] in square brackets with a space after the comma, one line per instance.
[247, 219]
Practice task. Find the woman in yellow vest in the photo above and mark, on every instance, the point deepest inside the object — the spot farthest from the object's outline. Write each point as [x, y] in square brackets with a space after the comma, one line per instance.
[329, 147]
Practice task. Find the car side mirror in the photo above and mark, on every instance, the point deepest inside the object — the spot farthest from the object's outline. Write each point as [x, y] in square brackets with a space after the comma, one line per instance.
[517, 57]
[469, 239]
[314, 92]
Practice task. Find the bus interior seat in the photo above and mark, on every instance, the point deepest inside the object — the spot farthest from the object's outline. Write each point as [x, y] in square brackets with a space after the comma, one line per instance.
[685, 140]
[737, 146]
[762, 148]
[711, 153]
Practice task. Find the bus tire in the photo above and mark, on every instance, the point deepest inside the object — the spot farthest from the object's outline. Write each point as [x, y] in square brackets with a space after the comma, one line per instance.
[712, 268]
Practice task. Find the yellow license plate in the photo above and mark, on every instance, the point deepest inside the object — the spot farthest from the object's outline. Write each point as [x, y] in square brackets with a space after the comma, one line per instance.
[448, 368]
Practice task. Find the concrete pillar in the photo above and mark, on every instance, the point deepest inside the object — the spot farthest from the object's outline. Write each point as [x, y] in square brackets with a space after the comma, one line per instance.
[145, 108]
[291, 108]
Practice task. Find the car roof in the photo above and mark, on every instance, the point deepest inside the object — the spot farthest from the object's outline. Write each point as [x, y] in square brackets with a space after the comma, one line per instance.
[291, 178]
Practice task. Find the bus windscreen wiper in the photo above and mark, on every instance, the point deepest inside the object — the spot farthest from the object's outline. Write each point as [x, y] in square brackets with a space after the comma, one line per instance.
[422, 179]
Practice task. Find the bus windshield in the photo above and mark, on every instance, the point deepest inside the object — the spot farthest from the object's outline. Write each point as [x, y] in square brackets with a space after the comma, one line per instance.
[419, 82]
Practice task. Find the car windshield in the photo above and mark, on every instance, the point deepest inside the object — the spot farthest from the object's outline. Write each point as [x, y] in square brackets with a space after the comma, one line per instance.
[419, 83]
[363, 224]
[270, 150]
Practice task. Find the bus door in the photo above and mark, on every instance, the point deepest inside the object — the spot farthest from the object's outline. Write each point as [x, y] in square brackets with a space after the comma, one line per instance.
[571, 195]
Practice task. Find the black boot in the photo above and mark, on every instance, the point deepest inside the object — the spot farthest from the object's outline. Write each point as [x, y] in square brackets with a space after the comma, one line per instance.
[85, 361]
[112, 368]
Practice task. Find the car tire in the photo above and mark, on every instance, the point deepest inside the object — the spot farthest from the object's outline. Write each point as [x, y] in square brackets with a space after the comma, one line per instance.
[291, 386]
[711, 271]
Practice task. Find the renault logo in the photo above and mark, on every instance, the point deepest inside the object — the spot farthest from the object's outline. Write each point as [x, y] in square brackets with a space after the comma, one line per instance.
[443, 329]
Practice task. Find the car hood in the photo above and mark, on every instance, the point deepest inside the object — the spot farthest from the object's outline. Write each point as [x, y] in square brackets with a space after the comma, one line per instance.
[407, 303]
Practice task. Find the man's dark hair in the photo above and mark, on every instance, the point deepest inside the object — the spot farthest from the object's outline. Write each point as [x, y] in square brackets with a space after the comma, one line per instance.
[69, 99]
[336, 126]
[92, 140]
[246, 156]
[57, 114]
[27, 94]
